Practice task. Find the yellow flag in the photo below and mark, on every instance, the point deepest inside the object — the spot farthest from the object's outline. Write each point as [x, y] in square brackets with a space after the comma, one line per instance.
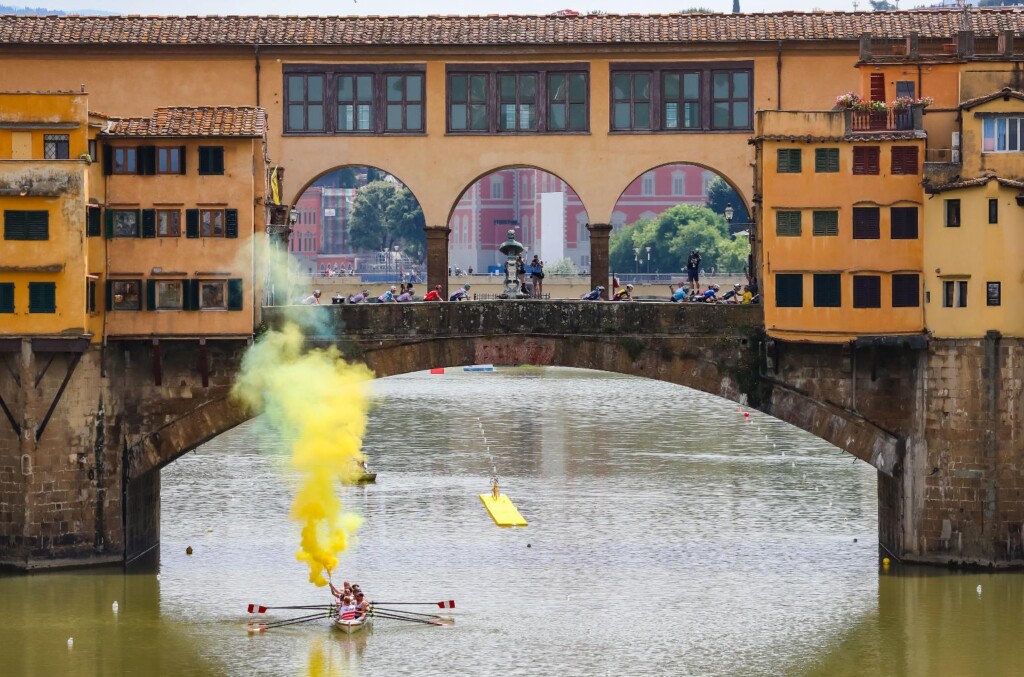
[275, 189]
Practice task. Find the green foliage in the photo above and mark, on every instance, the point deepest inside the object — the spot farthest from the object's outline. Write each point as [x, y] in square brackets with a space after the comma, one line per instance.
[671, 237]
[561, 267]
[698, 10]
[883, 5]
[721, 194]
[385, 214]
[1000, 3]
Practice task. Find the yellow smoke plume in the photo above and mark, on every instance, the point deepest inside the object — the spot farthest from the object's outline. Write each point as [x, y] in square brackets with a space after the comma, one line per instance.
[318, 401]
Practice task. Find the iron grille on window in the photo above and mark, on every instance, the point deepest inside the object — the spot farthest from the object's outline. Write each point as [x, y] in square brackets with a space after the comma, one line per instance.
[56, 146]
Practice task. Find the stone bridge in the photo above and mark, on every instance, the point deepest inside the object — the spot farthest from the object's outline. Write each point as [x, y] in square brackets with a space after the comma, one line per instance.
[86, 429]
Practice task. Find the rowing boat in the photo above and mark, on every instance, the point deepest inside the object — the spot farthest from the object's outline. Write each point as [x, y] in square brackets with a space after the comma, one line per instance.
[365, 478]
[352, 626]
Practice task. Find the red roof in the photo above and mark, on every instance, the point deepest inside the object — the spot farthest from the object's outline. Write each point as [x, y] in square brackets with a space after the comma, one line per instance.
[209, 121]
[498, 30]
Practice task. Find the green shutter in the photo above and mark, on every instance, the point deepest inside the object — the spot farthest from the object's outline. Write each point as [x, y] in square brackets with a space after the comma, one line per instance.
[789, 290]
[235, 294]
[230, 223]
[42, 297]
[109, 216]
[6, 297]
[789, 160]
[150, 294]
[20, 224]
[827, 290]
[192, 223]
[787, 224]
[826, 222]
[108, 295]
[826, 160]
[148, 223]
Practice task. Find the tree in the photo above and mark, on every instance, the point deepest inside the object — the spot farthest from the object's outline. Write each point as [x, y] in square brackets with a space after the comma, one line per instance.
[1000, 3]
[720, 194]
[384, 214]
[561, 267]
[883, 5]
[672, 235]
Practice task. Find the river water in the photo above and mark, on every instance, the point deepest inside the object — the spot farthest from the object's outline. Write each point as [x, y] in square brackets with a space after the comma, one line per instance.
[668, 535]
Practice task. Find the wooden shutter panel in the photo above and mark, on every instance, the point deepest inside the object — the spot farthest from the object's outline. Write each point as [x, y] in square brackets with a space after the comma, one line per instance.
[906, 291]
[191, 294]
[109, 218]
[235, 294]
[230, 223]
[192, 223]
[93, 222]
[867, 291]
[108, 295]
[204, 160]
[151, 294]
[218, 160]
[878, 86]
[42, 297]
[182, 154]
[904, 159]
[6, 297]
[866, 223]
[825, 223]
[148, 223]
[826, 160]
[108, 160]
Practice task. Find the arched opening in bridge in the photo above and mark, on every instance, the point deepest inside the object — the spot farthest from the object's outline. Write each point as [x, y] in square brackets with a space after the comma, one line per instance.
[543, 211]
[670, 210]
[358, 223]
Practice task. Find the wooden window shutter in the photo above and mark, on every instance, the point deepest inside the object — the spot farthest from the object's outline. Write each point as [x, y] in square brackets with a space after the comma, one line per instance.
[904, 159]
[906, 291]
[182, 154]
[108, 160]
[789, 160]
[789, 290]
[236, 297]
[108, 295]
[866, 223]
[878, 86]
[828, 290]
[151, 294]
[826, 222]
[218, 160]
[93, 222]
[787, 224]
[903, 223]
[109, 225]
[204, 160]
[867, 291]
[6, 297]
[230, 223]
[148, 223]
[42, 297]
[865, 159]
[826, 160]
[22, 224]
[191, 295]
[192, 223]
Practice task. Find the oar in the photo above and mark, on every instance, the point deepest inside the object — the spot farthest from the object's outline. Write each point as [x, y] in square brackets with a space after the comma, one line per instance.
[447, 604]
[263, 627]
[411, 613]
[259, 609]
[319, 614]
[406, 618]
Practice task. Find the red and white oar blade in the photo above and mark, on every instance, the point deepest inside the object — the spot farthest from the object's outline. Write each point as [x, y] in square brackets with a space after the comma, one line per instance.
[450, 604]
[257, 609]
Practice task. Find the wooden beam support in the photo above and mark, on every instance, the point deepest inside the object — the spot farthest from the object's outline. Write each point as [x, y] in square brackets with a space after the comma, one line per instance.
[75, 359]
[157, 370]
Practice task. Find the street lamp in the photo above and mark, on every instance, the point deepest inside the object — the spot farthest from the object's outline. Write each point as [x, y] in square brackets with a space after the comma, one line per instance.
[728, 212]
[648, 260]
[395, 248]
[636, 257]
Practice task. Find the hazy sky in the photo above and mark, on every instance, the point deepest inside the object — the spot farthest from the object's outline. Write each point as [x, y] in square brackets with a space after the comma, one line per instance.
[419, 7]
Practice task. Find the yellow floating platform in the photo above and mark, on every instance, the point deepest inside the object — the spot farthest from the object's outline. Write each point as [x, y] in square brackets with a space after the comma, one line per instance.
[502, 510]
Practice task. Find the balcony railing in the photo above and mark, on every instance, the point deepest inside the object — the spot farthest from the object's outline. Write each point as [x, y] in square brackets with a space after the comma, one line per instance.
[889, 120]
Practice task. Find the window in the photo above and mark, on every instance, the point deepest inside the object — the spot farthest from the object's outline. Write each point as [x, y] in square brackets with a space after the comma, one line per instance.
[124, 295]
[567, 102]
[827, 290]
[826, 160]
[90, 296]
[304, 96]
[993, 293]
[125, 222]
[904, 160]
[211, 223]
[168, 161]
[730, 99]
[1001, 135]
[865, 159]
[954, 293]
[212, 295]
[906, 291]
[789, 160]
[125, 160]
[355, 102]
[468, 110]
[681, 100]
[22, 224]
[517, 102]
[903, 223]
[404, 107]
[647, 184]
[877, 87]
[6, 297]
[866, 223]
[826, 223]
[211, 160]
[42, 297]
[631, 101]
[905, 88]
[497, 187]
[678, 184]
[168, 294]
[168, 223]
[93, 150]
[93, 221]
[867, 291]
[56, 146]
[952, 213]
[993, 210]
[787, 224]
[789, 290]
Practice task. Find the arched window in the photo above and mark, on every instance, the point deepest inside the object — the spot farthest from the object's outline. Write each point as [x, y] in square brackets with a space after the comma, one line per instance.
[647, 185]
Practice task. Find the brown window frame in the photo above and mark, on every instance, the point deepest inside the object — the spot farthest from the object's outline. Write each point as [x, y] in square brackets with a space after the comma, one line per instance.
[405, 103]
[682, 101]
[706, 71]
[223, 220]
[632, 100]
[169, 152]
[567, 104]
[177, 229]
[378, 114]
[731, 99]
[905, 160]
[304, 103]
[354, 103]
[125, 160]
[866, 160]
[952, 216]
[519, 99]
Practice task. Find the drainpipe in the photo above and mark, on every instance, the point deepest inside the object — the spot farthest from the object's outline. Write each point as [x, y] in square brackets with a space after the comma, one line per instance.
[778, 76]
[256, 56]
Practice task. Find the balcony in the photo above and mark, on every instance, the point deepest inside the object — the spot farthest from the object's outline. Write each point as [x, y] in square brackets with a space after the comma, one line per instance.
[889, 120]
[839, 123]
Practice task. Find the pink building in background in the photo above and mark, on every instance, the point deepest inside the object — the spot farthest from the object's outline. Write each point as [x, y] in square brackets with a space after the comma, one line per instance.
[509, 199]
[306, 238]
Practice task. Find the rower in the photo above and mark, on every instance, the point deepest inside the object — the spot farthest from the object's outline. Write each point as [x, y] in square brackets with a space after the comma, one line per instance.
[362, 604]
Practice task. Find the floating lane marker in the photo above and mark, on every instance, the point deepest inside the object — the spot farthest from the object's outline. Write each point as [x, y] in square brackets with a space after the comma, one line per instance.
[502, 510]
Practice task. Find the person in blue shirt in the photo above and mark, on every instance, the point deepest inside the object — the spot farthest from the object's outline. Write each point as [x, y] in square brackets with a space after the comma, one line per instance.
[388, 296]
[461, 294]
[679, 294]
[595, 295]
[711, 295]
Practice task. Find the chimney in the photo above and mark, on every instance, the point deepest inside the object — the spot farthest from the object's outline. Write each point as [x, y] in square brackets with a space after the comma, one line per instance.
[865, 46]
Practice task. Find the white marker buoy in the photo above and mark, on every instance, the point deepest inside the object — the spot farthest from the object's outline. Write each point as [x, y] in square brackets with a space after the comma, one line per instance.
[979, 589]
[114, 606]
[71, 642]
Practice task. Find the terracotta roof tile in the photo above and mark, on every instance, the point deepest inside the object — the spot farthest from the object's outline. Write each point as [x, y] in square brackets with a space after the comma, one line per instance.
[212, 121]
[908, 135]
[1004, 92]
[496, 30]
[970, 183]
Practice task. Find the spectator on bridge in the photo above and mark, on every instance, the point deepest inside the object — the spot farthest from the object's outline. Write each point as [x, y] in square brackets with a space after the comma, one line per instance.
[434, 294]
[624, 294]
[537, 276]
[693, 270]
[732, 296]
[711, 295]
[388, 296]
[748, 296]
[313, 299]
[360, 297]
[679, 293]
[406, 295]
[461, 294]
[597, 294]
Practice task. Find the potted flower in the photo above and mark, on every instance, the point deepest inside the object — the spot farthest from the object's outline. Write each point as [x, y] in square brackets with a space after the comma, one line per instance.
[925, 101]
[848, 100]
[902, 102]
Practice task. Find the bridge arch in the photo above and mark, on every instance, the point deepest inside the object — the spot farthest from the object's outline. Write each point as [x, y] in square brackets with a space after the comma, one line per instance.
[637, 180]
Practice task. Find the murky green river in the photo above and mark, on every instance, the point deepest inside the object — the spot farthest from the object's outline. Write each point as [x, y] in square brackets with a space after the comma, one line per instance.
[668, 536]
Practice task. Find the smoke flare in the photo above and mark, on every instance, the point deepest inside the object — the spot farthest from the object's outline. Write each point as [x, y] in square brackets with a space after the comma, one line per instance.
[318, 401]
